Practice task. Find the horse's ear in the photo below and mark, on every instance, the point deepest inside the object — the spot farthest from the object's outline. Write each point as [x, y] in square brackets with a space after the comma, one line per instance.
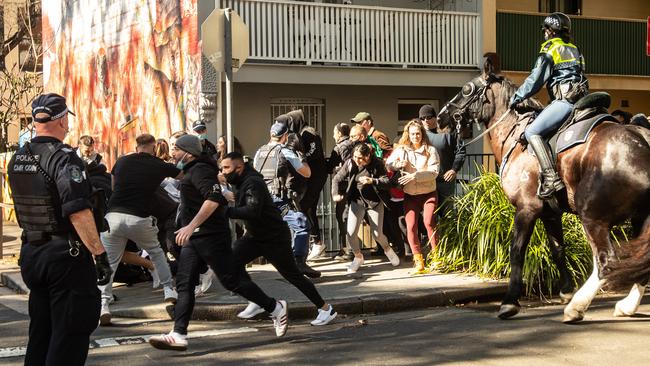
[491, 64]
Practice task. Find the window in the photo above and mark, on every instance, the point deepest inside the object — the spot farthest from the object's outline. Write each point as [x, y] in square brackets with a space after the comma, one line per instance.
[572, 7]
[407, 109]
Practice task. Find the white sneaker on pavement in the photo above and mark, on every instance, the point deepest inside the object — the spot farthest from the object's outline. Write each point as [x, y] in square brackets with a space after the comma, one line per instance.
[280, 318]
[317, 251]
[324, 316]
[105, 315]
[251, 310]
[170, 295]
[155, 278]
[171, 341]
[392, 257]
[355, 265]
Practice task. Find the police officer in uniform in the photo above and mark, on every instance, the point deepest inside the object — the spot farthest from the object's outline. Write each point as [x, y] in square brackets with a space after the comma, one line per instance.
[559, 66]
[279, 164]
[52, 199]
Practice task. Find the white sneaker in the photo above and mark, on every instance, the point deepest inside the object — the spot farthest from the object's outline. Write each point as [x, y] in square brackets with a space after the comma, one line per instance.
[155, 278]
[317, 250]
[171, 341]
[170, 295]
[392, 257]
[324, 316]
[280, 318]
[105, 315]
[251, 310]
[354, 266]
[205, 280]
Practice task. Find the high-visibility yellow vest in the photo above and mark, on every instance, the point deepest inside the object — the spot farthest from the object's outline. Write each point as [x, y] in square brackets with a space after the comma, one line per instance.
[564, 54]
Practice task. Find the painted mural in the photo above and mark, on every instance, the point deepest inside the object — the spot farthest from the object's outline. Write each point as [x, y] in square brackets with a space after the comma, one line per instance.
[125, 66]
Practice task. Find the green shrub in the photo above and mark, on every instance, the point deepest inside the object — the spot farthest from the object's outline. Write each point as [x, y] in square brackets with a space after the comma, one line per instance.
[475, 238]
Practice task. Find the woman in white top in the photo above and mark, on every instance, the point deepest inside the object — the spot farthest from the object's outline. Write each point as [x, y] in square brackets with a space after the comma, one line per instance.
[417, 164]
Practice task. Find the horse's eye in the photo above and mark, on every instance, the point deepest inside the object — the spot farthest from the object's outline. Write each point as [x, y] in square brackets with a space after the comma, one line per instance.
[468, 89]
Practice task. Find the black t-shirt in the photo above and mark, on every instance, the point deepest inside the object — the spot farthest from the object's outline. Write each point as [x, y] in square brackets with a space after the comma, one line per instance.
[136, 177]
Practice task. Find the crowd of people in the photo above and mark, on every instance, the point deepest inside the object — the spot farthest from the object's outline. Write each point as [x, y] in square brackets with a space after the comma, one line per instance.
[172, 207]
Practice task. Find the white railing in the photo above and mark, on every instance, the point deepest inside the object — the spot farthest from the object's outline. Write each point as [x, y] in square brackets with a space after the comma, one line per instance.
[311, 32]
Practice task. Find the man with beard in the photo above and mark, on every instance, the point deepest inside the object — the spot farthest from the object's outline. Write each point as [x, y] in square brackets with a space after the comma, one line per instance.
[267, 235]
[205, 237]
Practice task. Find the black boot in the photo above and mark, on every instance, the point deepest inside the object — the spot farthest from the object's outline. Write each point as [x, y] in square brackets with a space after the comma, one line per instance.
[305, 269]
[551, 181]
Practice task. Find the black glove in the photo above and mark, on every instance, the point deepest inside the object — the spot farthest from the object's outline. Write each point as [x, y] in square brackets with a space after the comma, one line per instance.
[103, 269]
[514, 101]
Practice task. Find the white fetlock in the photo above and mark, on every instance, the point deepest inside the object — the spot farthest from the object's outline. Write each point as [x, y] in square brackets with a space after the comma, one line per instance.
[572, 315]
[630, 304]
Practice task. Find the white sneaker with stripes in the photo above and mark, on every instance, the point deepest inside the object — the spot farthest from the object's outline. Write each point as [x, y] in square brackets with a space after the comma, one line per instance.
[171, 341]
[280, 318]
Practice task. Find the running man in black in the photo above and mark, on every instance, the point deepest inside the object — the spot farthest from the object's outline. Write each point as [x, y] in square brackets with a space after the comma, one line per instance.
[267, 235]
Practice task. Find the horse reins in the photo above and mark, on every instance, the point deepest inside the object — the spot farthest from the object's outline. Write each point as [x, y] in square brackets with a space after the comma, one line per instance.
[503, 116]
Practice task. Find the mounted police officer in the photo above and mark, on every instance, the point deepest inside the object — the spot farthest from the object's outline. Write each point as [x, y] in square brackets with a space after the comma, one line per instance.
[559, 66]
[282, 169]
[52, 199]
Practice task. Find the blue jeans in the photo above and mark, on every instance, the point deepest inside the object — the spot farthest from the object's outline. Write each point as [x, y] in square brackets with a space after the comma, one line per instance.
[299, 226]
[550, 119]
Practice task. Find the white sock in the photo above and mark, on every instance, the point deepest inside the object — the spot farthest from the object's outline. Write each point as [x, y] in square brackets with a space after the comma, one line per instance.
[277, 310]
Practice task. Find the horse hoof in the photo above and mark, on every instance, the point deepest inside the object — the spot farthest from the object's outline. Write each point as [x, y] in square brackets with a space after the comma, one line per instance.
[572, 317]
[508, 310]
[620, 312]
[565, 298]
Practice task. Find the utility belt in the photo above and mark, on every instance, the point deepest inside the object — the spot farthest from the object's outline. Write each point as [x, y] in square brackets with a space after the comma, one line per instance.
[40, 238]
[571, 91]
[285, 205]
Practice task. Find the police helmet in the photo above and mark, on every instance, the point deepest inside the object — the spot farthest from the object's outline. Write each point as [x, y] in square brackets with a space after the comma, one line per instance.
[557, 22]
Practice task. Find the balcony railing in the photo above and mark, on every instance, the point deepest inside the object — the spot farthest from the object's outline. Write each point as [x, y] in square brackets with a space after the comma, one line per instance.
[283, 31]
[609, 46]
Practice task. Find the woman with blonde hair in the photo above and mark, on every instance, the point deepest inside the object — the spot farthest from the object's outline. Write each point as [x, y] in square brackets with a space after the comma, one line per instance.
[417, 164]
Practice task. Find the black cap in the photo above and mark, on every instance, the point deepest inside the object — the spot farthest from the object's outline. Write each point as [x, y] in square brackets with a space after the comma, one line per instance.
[198, 126]
[279, 129]
[427, 111]
[51, 104]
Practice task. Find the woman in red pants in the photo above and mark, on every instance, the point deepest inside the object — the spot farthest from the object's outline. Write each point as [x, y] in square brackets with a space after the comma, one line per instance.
[418, 164]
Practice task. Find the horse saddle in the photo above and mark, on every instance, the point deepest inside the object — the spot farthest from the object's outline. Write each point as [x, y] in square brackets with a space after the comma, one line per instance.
[588, 112]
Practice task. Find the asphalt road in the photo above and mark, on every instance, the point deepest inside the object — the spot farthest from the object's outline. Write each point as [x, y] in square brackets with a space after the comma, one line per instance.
[470, 335]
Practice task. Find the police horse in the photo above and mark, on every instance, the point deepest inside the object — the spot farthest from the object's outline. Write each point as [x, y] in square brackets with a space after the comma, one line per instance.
[607, 178]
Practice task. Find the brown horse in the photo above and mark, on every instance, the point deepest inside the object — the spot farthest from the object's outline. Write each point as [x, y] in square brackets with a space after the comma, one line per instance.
[607, 181]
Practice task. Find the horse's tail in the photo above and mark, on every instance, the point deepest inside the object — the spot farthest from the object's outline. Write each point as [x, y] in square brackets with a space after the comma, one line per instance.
[631, 263]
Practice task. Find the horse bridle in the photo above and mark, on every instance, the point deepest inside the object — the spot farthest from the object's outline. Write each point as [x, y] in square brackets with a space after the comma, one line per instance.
[476, 95]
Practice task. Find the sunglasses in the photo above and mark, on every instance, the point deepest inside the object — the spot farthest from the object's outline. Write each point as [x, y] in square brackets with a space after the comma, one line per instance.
[425, 118]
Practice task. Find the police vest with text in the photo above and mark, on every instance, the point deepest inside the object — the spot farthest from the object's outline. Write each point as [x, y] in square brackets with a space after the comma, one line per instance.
[35, 196]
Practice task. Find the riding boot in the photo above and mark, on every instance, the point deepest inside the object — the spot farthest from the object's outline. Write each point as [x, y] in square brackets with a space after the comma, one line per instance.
[305, 269]
[551, 181]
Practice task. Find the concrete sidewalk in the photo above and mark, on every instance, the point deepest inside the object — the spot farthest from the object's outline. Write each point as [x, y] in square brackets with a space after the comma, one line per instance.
[376, 288]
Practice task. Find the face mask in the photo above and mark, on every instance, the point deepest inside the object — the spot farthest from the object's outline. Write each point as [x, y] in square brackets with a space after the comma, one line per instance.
[232, 177]
[181, 163]
[203, 136]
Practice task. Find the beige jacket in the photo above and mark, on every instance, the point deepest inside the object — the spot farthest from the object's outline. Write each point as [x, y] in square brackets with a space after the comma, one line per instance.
[425, 164]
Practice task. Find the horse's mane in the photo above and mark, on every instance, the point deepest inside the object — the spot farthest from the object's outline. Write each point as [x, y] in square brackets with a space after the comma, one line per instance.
[502, 97]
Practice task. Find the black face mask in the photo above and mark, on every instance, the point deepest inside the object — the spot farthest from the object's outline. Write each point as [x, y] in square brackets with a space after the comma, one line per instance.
[233, 177]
